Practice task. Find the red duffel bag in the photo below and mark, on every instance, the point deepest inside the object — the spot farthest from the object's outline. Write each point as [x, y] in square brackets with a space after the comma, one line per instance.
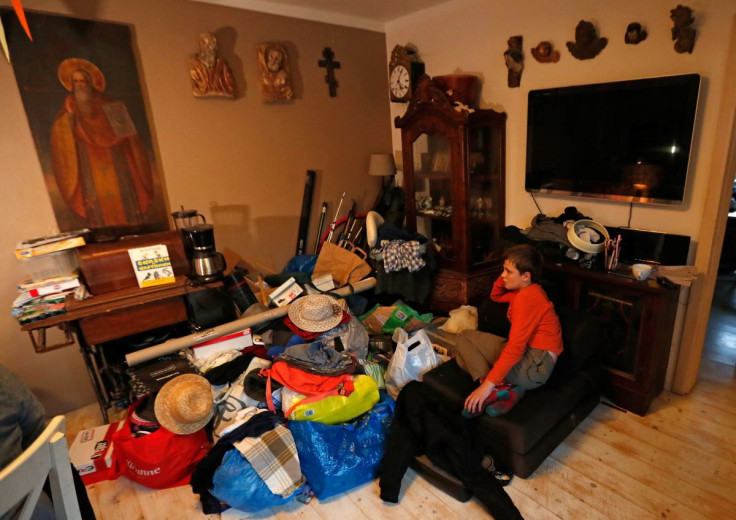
[160, 459]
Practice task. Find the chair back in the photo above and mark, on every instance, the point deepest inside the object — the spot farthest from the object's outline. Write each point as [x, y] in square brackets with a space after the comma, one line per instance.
[22, 480]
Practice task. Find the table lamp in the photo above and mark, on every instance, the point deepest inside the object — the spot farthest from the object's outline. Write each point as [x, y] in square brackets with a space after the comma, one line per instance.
[382, 165]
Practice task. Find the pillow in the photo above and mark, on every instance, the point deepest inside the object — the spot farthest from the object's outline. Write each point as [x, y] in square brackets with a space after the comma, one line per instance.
[463, 318]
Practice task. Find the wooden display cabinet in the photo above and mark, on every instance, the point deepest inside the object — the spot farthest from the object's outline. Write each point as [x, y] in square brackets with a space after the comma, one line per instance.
[637, 320]
[454, 167]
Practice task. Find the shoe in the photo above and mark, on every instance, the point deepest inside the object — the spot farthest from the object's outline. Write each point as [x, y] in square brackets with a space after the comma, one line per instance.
[500, 392]
[502, 478]
[490, 399]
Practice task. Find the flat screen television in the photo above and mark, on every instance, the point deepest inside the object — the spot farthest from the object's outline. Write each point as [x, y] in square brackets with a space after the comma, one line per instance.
[626, 141]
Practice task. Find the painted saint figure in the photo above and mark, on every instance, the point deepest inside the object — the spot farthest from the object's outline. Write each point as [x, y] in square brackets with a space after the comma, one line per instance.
[99, 162]
[274, 69]
[211, 76]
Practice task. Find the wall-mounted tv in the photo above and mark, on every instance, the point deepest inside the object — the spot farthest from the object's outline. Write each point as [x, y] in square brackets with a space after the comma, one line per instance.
[626, 141]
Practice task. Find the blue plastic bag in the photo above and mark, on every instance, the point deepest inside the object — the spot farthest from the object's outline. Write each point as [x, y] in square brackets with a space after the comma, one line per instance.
[302, 263]
[238, 485]
[339, 457]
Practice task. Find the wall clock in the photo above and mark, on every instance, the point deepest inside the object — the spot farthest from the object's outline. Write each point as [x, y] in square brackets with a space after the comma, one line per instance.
[404, 70]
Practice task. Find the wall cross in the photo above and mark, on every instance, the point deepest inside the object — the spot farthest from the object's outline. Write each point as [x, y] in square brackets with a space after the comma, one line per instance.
[329, 63]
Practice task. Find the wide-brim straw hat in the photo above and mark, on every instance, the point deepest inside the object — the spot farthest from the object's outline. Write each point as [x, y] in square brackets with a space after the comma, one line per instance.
[316, 313]
[184, 405]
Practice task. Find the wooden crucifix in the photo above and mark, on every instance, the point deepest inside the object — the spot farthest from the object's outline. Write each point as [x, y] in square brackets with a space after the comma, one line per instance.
[330, 65]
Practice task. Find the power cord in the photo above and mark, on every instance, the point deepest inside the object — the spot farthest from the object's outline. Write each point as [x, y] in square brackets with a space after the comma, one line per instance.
[631, 210]
[535, 203]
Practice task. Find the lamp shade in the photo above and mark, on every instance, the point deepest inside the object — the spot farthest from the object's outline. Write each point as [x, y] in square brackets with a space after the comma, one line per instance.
[382, 164]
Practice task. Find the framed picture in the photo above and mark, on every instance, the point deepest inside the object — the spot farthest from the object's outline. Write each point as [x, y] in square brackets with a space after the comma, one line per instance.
[440, 163]
[79, 85]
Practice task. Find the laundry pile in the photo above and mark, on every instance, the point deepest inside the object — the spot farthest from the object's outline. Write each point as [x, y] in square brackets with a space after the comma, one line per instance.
[255, 427]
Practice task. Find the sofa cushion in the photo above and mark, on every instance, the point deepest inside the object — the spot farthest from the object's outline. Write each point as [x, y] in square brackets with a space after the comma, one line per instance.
[527, 422]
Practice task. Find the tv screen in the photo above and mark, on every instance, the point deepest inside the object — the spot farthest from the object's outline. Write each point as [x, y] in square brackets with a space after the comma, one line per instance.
[627, 141]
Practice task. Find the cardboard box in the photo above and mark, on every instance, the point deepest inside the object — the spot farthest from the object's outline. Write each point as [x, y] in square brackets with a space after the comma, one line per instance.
[235, 341]
[286, 293]
[91, 452]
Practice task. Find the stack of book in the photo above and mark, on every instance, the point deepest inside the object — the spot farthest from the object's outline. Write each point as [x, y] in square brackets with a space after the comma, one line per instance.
[39, 300]
[50, 244]
[42, 297]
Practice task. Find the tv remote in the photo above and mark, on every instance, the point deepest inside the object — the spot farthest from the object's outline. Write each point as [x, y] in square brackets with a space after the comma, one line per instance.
[666, 282]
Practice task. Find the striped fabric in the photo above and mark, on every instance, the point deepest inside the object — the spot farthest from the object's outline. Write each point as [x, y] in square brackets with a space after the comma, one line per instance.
[274, 457]
[399, 255]
[376, 372]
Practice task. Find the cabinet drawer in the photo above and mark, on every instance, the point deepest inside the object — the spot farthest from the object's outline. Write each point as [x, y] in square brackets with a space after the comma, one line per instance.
[118, 324]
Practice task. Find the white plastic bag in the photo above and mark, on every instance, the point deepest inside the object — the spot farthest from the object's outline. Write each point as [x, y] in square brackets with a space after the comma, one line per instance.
[413, 357]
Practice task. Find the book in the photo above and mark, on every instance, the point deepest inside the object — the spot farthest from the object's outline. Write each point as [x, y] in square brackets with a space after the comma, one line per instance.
[44, 290]
[40, 308]
[28, 284]
[152, 265]
[50, 244]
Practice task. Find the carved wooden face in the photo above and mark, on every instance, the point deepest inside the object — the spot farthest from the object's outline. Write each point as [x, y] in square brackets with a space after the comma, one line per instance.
[274, 60]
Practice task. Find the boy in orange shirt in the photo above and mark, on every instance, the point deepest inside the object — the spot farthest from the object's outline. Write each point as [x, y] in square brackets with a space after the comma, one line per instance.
[535, 339]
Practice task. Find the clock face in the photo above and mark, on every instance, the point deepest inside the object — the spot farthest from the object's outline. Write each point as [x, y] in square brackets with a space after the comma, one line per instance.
[400, 81]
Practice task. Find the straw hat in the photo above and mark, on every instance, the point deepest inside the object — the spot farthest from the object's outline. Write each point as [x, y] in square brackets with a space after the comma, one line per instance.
[184, 404]
[316, 313]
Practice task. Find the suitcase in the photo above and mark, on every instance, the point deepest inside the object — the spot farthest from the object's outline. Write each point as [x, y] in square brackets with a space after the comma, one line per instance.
[106, 266]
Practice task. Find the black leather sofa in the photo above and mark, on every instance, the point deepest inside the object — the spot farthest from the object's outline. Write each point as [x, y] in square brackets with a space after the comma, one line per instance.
[521, 439]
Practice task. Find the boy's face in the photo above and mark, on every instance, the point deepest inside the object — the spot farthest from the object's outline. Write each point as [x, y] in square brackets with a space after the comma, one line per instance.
[513, 280]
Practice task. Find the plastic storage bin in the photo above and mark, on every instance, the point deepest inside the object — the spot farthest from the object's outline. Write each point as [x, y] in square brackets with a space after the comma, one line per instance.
[52, 265]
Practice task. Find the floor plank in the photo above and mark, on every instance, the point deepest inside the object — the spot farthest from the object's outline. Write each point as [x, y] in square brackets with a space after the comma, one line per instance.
[623, 458]
[600, 474]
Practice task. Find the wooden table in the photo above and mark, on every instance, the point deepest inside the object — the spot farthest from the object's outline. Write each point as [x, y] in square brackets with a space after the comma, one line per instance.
[111, 316]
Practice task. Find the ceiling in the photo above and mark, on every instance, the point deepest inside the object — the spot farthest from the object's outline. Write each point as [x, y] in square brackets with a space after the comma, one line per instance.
[365, 14]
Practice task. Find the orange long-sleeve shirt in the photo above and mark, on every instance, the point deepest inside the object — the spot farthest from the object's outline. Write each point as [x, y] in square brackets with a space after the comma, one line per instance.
[534, 323]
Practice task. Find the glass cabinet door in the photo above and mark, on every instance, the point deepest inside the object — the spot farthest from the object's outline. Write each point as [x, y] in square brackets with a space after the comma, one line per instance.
[484, 192]
[433, 193]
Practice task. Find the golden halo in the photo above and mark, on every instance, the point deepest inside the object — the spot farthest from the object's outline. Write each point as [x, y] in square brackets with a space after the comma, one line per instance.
[69, 65]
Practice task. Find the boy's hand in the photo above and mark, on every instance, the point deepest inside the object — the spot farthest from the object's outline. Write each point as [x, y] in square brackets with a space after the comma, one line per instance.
[474, 401]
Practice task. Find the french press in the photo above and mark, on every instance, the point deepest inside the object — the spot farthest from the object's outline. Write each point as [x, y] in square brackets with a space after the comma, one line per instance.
[187, 218]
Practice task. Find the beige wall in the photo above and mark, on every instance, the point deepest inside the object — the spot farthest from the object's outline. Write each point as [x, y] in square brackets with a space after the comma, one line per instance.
[240, 163]
[469, 36]
[234, 160]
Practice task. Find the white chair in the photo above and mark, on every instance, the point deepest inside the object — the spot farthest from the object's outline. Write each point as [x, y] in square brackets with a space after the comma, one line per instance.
[373, 221]
[21, 482]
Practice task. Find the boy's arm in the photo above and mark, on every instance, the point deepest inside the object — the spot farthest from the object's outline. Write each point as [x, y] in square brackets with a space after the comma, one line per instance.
[499, 292]
[527, 315]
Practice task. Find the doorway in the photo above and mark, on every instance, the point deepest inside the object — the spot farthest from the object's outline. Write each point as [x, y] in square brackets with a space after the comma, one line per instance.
[720, 338]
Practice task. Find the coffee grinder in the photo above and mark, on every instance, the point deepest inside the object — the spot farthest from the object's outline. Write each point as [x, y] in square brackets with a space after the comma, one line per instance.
[186, 218]
[207, 264]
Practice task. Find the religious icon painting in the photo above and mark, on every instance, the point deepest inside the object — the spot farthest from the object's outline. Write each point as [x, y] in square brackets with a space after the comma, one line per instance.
[79, 84]
[273, 65]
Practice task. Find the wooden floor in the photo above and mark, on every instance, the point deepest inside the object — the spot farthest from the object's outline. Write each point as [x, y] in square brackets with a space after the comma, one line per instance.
[679, 461]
